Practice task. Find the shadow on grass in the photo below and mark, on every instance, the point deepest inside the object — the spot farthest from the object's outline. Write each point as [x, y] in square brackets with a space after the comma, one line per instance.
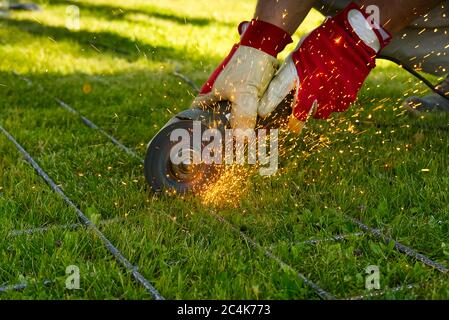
[134, 103]
[117, 13]
[104, 42]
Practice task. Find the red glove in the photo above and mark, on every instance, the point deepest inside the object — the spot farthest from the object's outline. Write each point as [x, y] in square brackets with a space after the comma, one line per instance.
[328, 67]
[244, 75]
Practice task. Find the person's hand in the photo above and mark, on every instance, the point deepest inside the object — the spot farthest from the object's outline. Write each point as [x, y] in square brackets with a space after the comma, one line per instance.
[244, 75]
[327, 68]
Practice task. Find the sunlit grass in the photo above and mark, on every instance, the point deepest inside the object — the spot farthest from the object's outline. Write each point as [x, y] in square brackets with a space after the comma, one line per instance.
[373, 162]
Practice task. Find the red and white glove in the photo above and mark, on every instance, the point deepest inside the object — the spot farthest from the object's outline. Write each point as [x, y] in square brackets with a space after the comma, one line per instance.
[327, 68]
[244, 75]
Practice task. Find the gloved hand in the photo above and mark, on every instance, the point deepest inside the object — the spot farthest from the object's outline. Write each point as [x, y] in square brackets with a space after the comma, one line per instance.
[244, 75]
[328, 67]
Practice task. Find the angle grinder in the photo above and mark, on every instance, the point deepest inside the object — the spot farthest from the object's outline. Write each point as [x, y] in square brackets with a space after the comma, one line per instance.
[187, 176]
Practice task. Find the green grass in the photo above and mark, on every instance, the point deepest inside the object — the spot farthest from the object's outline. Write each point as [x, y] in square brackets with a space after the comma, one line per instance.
[123, 56]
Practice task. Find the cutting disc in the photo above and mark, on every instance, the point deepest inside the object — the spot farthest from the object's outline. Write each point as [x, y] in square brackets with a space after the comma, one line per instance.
[187, 176]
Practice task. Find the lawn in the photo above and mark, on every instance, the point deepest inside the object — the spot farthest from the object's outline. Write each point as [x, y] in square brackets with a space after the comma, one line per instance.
[373, 163]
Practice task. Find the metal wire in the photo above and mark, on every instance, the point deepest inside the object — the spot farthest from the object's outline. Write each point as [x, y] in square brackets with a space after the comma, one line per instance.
[16, 233]
[186, 79]
[320, 291]
[339, 237]
[400, 247]
[382, 292]
[86, 121]
[112, 249]
[22, 286]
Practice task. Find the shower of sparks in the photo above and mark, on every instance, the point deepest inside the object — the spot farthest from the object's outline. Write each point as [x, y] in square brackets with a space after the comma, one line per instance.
[230, 188]
[87, 88]
[234, 182]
